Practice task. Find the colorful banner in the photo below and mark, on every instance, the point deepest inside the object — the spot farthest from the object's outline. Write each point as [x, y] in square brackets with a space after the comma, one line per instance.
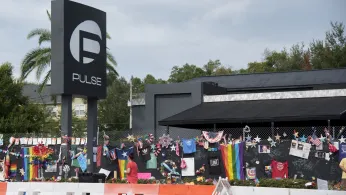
[232, 156]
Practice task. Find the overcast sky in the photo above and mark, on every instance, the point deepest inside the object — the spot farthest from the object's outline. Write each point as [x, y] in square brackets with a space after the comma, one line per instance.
[151, 36]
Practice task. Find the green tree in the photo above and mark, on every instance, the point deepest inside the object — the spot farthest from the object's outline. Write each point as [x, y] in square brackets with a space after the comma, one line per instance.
[39, 58]
[113, 112]
[17, 114]
[52, 126]
[185, 72]
[331, 52]
[137, 85]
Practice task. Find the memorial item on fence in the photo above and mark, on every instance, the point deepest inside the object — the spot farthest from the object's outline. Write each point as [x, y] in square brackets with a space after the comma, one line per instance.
[145, 152]
[168, 167]
[320, 154]
[157, 149]
[201, 170]
[52, 167]
[268, 171]
[295, 134]
[190, 167]
[232, 157]
[189, 146]
[122, 155]
[152, 163]
[212, 137]
[13, 170]
[257, 139]
[277, 137]
[279, 169]
[214, 163]
[264, 149]
[300, 149]
[251, 173]
[165, 141]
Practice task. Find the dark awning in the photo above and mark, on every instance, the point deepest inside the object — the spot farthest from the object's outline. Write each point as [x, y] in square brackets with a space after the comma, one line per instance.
[331, 108]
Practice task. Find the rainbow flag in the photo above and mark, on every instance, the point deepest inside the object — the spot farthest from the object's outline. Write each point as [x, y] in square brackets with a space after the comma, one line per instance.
[122, 155]
[233, 159]
[13, 170]
[26, 164]
[30, 169]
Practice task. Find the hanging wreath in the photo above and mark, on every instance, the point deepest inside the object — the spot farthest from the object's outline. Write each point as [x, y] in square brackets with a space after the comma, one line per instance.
[165, 141]
[168, 167]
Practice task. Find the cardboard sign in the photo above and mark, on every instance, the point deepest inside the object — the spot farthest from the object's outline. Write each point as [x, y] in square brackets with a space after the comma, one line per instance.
[144, 175]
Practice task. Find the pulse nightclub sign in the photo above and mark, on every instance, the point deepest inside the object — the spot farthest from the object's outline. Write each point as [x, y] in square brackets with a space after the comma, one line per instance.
[78, 65]
[79, 50]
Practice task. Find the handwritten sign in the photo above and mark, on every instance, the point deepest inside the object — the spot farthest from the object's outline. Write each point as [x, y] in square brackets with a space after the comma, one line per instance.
[144, 175]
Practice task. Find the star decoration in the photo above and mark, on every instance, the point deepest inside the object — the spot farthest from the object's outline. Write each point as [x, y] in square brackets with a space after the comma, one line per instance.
[303, 138]
[342, 139]
[277, 137]
[131, 138]
[295, 134]
[270, 139]
[257, 139]
[284, 134]
[22, 172]
[173, 148]
[253, 145]
[323, 139]
[124, 154]
[248, 138]
[272, 144]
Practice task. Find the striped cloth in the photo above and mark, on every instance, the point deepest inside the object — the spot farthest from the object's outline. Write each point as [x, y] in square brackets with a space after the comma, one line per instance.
[232, 155]
[315, 140]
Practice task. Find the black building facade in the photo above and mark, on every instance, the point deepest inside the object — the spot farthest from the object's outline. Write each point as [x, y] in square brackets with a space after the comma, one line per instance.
[269, 103]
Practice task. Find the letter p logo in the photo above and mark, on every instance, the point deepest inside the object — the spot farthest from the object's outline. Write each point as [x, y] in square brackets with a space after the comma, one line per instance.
[85, 42]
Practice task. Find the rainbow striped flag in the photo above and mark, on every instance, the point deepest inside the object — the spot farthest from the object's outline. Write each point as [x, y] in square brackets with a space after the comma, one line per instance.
[30, 170]
[233, 158]
[122, 155]
[13, 170]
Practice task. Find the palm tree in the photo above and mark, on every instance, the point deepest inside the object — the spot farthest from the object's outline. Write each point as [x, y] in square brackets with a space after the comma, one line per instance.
[39, 59]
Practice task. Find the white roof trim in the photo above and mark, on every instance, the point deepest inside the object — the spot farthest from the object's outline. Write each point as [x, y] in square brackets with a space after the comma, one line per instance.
[137, 102]
[276, 95]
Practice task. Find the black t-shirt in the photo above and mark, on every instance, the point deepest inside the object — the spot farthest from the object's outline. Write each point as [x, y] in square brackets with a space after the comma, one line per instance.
[260, 168]
[145, 152]
[214, 162]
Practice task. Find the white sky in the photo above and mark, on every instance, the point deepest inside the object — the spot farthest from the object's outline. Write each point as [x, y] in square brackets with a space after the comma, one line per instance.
[151, 36]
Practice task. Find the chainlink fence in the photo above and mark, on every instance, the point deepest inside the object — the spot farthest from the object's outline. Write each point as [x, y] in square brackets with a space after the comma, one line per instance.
[119, 136]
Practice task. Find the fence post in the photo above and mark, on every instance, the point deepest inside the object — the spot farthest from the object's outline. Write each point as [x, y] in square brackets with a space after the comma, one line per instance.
[272, 128]
[167, 130]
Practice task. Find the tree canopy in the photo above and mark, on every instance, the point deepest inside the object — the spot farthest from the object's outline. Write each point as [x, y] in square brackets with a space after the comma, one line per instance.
[17, 114]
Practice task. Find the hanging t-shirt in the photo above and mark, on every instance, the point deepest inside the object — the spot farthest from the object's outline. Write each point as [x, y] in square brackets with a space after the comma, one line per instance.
[152, 163]
[279, 169]
[214, 164]
[189, 146]
[145, 152]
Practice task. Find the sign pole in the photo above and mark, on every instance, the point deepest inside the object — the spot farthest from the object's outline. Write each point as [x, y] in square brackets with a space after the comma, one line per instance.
[92, 133]
[66, 128]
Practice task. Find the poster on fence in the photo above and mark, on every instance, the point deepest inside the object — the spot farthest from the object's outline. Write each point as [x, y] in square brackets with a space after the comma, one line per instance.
[300, 149]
